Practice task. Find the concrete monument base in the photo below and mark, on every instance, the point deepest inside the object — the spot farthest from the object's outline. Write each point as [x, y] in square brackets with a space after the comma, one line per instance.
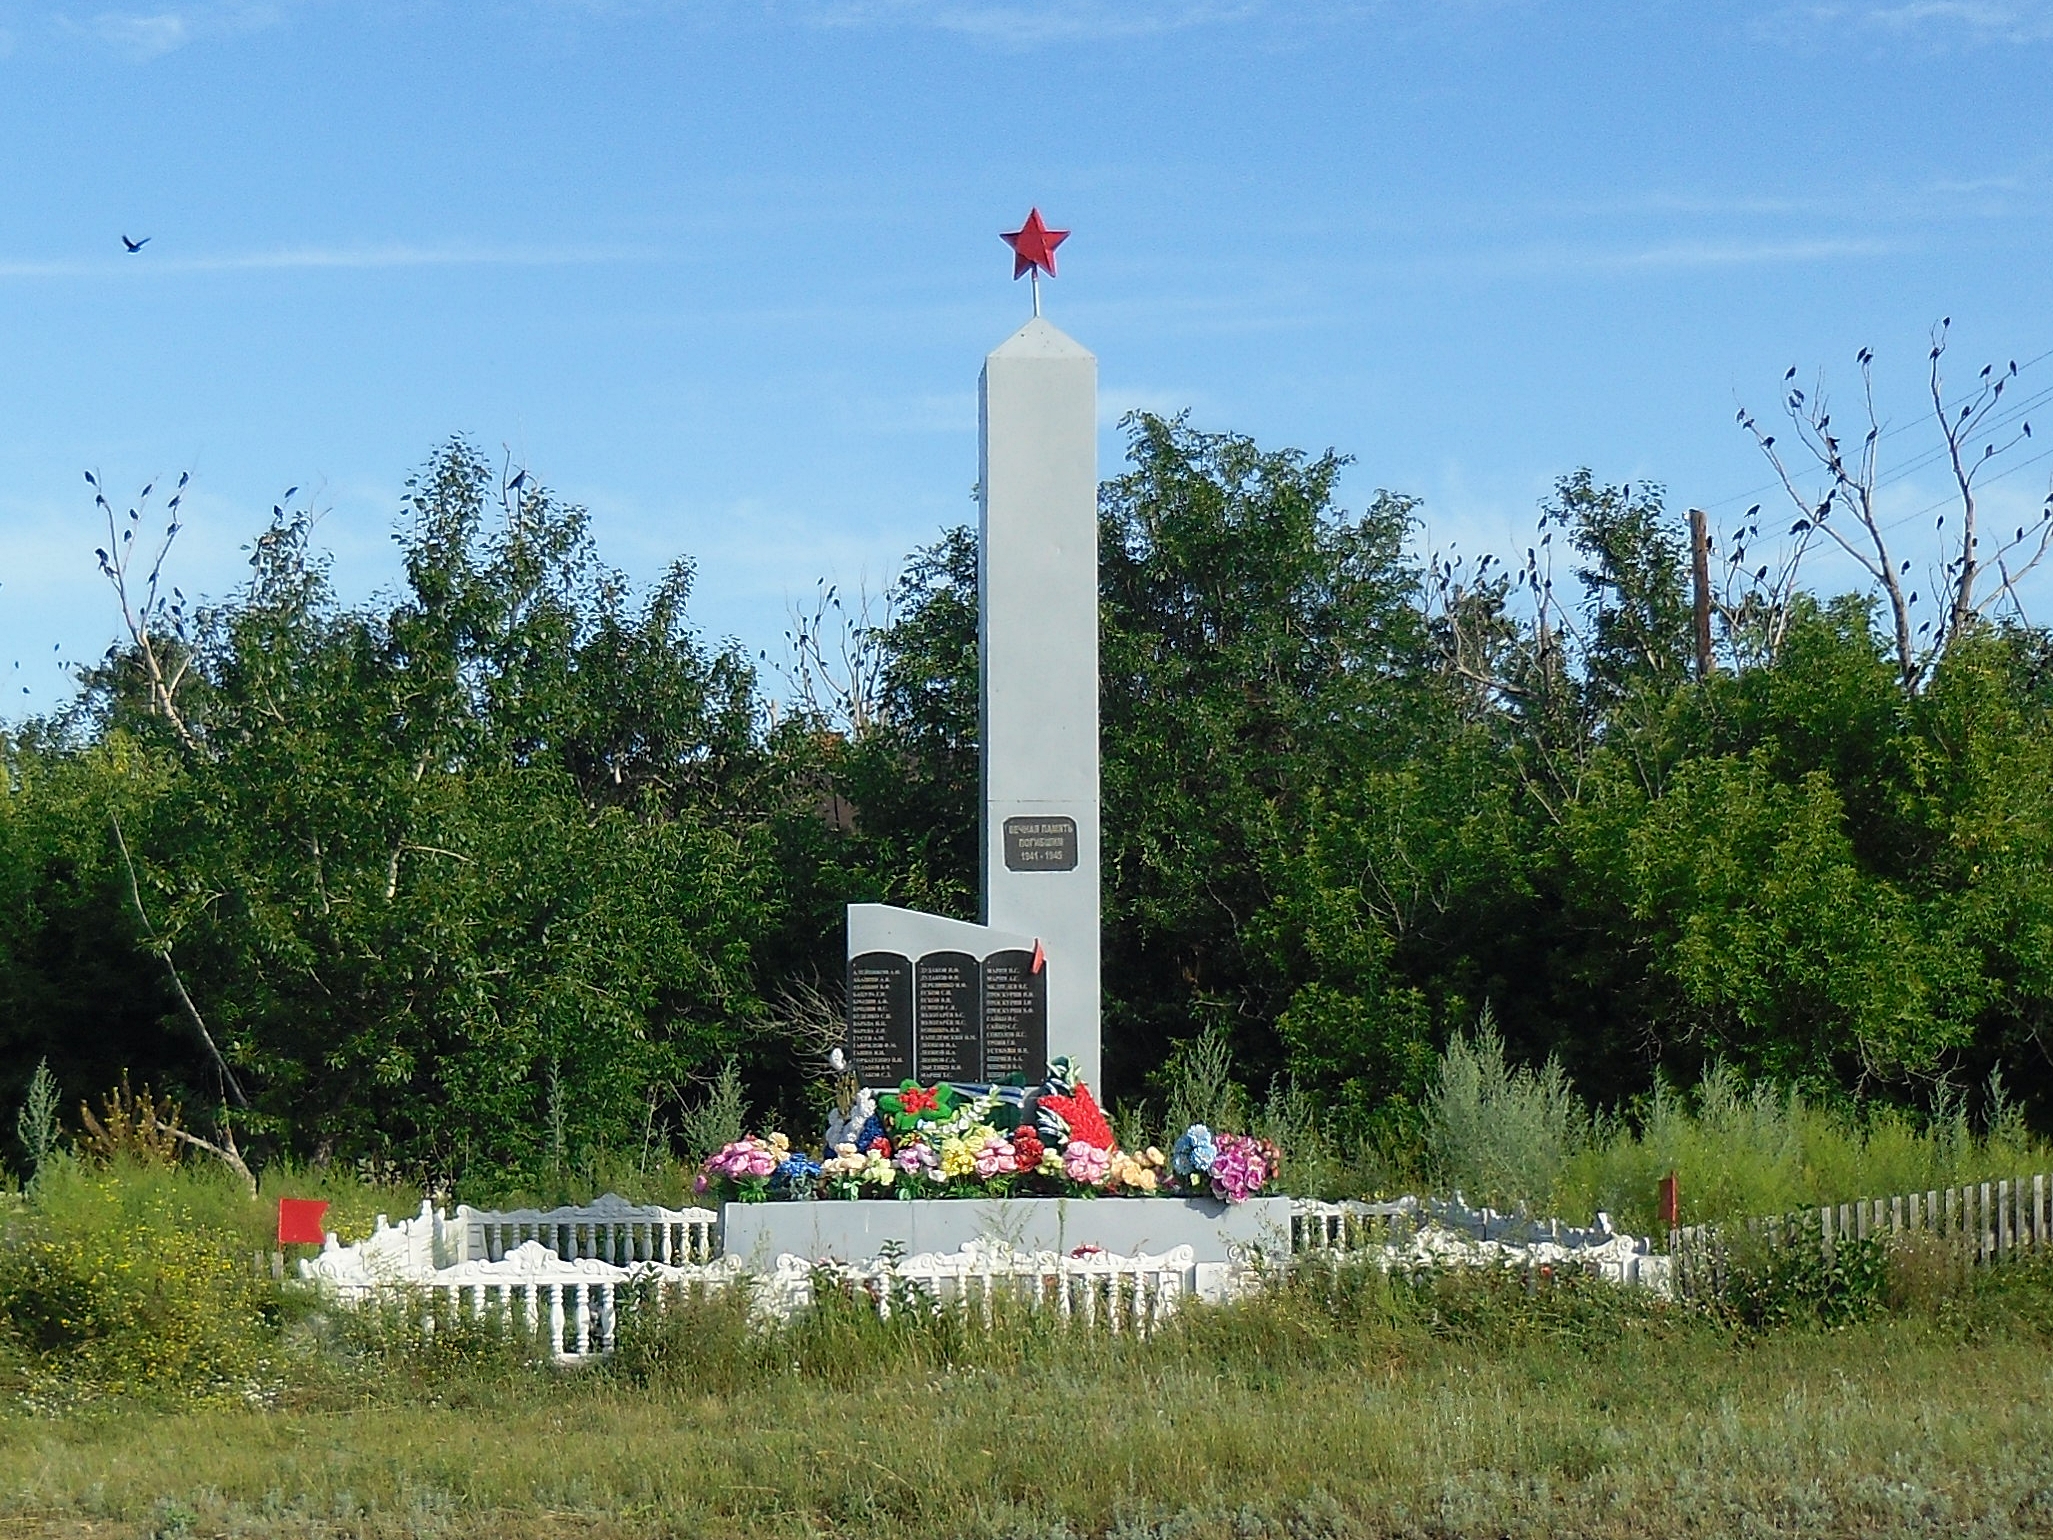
[1216, 1232]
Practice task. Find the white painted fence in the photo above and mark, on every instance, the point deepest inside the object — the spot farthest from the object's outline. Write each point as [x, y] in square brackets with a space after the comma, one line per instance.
[1984, 1221]
[609, 1229]
[558, 1274]
[1089, 1288]
[572, 1306]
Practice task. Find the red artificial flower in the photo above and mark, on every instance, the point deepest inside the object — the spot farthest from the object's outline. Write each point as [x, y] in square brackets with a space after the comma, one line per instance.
[881, 1147]
[915, 1100]
[1027, 1148]
[1087, 1124]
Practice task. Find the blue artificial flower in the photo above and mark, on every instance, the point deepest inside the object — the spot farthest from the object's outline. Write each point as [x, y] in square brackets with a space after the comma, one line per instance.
[871, 1130]
[1194, 1151]
[795, 1175]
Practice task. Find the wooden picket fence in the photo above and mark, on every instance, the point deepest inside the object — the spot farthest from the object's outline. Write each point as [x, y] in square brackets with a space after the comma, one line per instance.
[1984, 1221]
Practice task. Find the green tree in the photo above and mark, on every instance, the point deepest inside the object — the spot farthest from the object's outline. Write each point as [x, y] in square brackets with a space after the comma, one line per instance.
[442, 875]
[1259, 646]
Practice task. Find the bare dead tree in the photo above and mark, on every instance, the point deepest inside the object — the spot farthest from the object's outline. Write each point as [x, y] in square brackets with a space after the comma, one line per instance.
[160, 947]
[155, 623]
[834, 665]
[1507, 660]
[1837, 497]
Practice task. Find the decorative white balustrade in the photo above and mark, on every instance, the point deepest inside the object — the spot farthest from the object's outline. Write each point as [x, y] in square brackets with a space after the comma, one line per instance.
[558, 1274]
[609, 1229]
[572, 1305]
[1092, 1288]
[1416, 1235]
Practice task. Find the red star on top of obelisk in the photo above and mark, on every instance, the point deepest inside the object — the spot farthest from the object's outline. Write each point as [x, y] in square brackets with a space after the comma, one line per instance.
[1033, 245]
[1033, 250]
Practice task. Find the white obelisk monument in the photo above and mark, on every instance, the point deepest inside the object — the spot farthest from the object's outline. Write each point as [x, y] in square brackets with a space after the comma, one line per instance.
[934, 998]
[1037, 638]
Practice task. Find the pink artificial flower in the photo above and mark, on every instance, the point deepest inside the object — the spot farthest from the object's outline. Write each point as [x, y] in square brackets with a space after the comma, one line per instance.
[1239, 1169]
[997, 1158]
[1086, 1163]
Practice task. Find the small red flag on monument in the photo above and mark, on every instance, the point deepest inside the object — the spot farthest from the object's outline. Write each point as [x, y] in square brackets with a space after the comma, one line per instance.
[1040, 957]
[299, 1221]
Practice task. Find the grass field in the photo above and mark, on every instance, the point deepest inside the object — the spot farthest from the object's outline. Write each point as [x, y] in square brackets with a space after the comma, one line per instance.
[154, 1381]
[1471, 1409]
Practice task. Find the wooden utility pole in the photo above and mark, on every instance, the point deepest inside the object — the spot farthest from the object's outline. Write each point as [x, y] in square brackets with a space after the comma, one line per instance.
[1700, 586]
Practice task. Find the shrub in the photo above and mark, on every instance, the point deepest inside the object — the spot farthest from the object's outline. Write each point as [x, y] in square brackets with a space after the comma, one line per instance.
[1780, 1276]
[102, 1294]
[717, 1119]
[1500, 1135]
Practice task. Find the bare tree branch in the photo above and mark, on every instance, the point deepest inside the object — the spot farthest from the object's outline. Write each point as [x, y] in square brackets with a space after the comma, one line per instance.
[162, 948]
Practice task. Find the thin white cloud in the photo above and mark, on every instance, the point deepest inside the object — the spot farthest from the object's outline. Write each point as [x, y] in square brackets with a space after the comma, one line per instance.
[144, 37]
[149, 34]
[1032, 24]
[1681, 254]
[1940, 23]
[154, 262]
[1979, 20]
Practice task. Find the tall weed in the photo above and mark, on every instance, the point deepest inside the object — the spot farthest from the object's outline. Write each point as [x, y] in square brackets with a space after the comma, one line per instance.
[1741, 1151]
[718, 1118]
[1500, 1135]
[36, 1125]
[1200, 1085]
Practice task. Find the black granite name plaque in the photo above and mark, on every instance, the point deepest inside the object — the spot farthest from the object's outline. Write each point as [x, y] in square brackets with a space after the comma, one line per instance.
[1015, 1016]
[880, 1018]
[948, 1039]
[1040, 844]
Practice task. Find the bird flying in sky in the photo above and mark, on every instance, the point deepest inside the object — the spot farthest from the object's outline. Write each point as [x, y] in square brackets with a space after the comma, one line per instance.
[134, 246]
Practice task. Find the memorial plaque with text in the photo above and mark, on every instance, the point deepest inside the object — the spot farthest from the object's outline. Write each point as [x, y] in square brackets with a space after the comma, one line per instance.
[1040, 844]
[1015, 1016]
[947, 1017]
[880, 990]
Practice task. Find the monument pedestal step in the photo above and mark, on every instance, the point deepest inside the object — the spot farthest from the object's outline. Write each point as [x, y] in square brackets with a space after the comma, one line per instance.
[1216, 1232]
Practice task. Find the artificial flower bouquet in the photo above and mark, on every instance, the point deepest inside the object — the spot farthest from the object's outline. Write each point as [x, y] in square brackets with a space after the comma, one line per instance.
[941, 1142]
[756, 1170]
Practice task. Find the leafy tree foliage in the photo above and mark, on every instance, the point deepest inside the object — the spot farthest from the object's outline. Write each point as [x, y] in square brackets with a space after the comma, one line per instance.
[448, 873]
[498, 869]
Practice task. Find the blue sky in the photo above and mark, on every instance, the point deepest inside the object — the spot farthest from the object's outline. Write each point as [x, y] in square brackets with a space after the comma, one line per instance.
[725, 271]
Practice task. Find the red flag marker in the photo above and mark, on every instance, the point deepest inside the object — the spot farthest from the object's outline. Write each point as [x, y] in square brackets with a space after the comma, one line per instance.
[299, 1221]
[1040, 957]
